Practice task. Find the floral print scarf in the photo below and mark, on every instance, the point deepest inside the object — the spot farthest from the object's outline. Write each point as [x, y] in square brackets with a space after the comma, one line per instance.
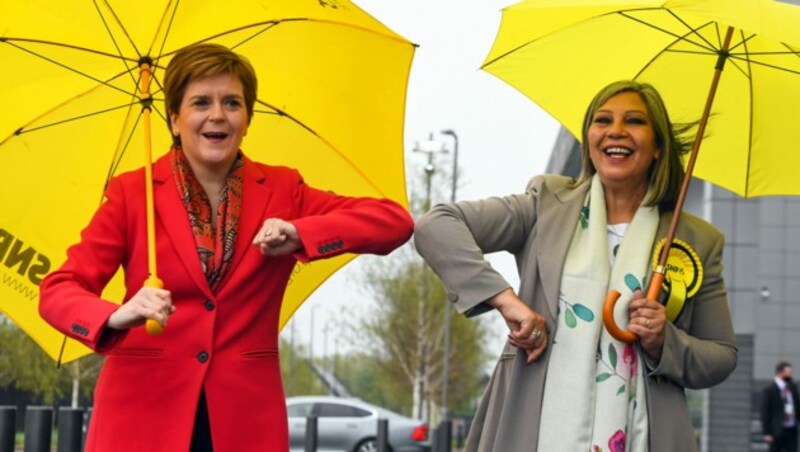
[214, 241]
[594, 394]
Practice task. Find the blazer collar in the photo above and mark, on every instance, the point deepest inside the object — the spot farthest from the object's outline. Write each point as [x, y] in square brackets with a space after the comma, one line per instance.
[171, 213]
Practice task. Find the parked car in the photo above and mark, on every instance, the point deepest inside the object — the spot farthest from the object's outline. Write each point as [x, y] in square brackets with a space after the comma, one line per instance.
[351, 425]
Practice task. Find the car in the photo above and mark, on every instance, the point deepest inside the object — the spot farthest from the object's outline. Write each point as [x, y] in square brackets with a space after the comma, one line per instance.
[351, 425]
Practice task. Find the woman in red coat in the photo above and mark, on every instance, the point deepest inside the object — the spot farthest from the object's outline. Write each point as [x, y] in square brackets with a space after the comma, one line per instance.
[229, 231]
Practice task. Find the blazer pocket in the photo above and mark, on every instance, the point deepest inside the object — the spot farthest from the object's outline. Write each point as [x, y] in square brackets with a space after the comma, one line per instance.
[142, 352]
[507, 356]
[260, 353]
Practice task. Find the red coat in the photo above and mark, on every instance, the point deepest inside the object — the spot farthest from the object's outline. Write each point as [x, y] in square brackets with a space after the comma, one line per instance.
[225, 343]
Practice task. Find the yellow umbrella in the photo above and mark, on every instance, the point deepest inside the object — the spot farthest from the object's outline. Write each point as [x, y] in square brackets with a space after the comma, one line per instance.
[74, 95]
[561, 53]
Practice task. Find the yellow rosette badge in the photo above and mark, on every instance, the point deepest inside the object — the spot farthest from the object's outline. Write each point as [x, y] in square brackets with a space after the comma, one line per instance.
[683, 277]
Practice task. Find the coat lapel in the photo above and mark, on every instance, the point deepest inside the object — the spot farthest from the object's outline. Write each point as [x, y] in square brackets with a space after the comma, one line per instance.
[255, 198]
[558, 215]
[171, 213]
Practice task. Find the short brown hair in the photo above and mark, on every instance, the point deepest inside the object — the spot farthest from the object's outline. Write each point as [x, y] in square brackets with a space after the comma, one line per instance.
[205, 60]
[666, 173]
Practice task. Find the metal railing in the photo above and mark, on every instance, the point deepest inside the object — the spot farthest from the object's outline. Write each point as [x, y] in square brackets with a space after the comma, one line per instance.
[72, 424]
[39, 428]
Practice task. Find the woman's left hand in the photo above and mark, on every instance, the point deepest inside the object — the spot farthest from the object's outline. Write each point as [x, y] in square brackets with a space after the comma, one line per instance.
[277, 238]
[648, 319]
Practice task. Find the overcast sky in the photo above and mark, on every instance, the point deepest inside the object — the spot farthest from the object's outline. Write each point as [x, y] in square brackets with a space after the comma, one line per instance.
[504, 138]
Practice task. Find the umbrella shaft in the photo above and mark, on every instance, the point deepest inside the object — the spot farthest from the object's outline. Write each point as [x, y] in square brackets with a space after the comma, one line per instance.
[701, 127]
[144, 85]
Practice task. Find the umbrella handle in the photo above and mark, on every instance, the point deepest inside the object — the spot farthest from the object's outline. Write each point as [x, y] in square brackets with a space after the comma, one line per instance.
[151, 325]
[616, 332]
[611, 325]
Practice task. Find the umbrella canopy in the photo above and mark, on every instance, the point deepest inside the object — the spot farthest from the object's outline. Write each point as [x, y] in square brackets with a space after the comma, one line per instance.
[561, 53]
[331, 102]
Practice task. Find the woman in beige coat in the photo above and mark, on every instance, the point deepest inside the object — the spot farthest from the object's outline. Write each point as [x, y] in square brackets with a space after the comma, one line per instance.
[562, 383]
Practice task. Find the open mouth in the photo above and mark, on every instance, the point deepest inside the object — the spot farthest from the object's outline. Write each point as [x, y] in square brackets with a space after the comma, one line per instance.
[618, 151]
[215, 135]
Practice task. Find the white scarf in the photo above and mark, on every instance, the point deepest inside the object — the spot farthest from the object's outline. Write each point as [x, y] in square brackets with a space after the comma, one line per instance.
[594, 397]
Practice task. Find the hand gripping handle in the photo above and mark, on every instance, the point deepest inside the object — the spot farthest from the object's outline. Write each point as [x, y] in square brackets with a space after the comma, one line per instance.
[611, 300]
[151, 325]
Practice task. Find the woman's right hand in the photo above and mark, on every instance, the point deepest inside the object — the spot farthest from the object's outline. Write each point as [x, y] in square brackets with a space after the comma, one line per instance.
[528, 329]
[148, 303]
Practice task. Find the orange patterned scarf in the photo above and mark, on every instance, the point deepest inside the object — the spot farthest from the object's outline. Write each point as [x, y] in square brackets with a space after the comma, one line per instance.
[214, 242]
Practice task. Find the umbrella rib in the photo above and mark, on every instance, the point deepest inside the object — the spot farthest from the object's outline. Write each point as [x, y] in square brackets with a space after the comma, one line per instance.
[742, 43]
[694, 31]
[113, 40]
[159, 112]
[627, 14]
[768, 65]
[341, 155]
[737, 65]
[669, 49]
[682, 38]
[230, 31]
[776, 52]
[166, 33]
[267, 112]
[22, 130]
[36, 54]
[747, 56]
[750, 123]
[275, 22]
[124, 30]
[118, 155]
[254, 35]
[61, 44]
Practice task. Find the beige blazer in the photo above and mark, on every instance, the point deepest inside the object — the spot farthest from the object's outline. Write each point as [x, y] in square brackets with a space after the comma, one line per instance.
[537, 227]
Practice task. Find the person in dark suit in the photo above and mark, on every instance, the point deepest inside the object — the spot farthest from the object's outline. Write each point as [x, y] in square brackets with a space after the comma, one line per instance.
[779, 411]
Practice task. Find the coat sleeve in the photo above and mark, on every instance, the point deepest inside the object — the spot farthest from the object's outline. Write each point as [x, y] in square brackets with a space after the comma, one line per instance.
[453, 239]
[330, 225]
[70, 297]
[702, 353]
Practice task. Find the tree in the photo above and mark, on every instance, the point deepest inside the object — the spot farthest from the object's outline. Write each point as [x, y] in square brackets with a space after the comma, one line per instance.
[298, 377]
[404, 331]
[27, 367]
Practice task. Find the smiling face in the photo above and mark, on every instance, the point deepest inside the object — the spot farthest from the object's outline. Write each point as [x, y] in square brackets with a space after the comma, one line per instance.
[622, 143]
[212, 121]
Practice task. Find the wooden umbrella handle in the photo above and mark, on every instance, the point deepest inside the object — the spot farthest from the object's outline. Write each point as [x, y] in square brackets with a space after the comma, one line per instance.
[611, 300]
[611, 325]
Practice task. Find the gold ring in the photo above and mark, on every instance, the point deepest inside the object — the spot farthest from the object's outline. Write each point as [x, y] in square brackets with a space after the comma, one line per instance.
[647, 323]
[536, 334]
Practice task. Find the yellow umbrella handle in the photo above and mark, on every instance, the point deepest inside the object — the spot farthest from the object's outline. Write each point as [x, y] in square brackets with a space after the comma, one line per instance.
[152, 326]
[611, 300]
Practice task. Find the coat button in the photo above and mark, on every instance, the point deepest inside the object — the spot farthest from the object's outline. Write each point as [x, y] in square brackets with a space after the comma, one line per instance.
[209, 305]
[202, 357]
